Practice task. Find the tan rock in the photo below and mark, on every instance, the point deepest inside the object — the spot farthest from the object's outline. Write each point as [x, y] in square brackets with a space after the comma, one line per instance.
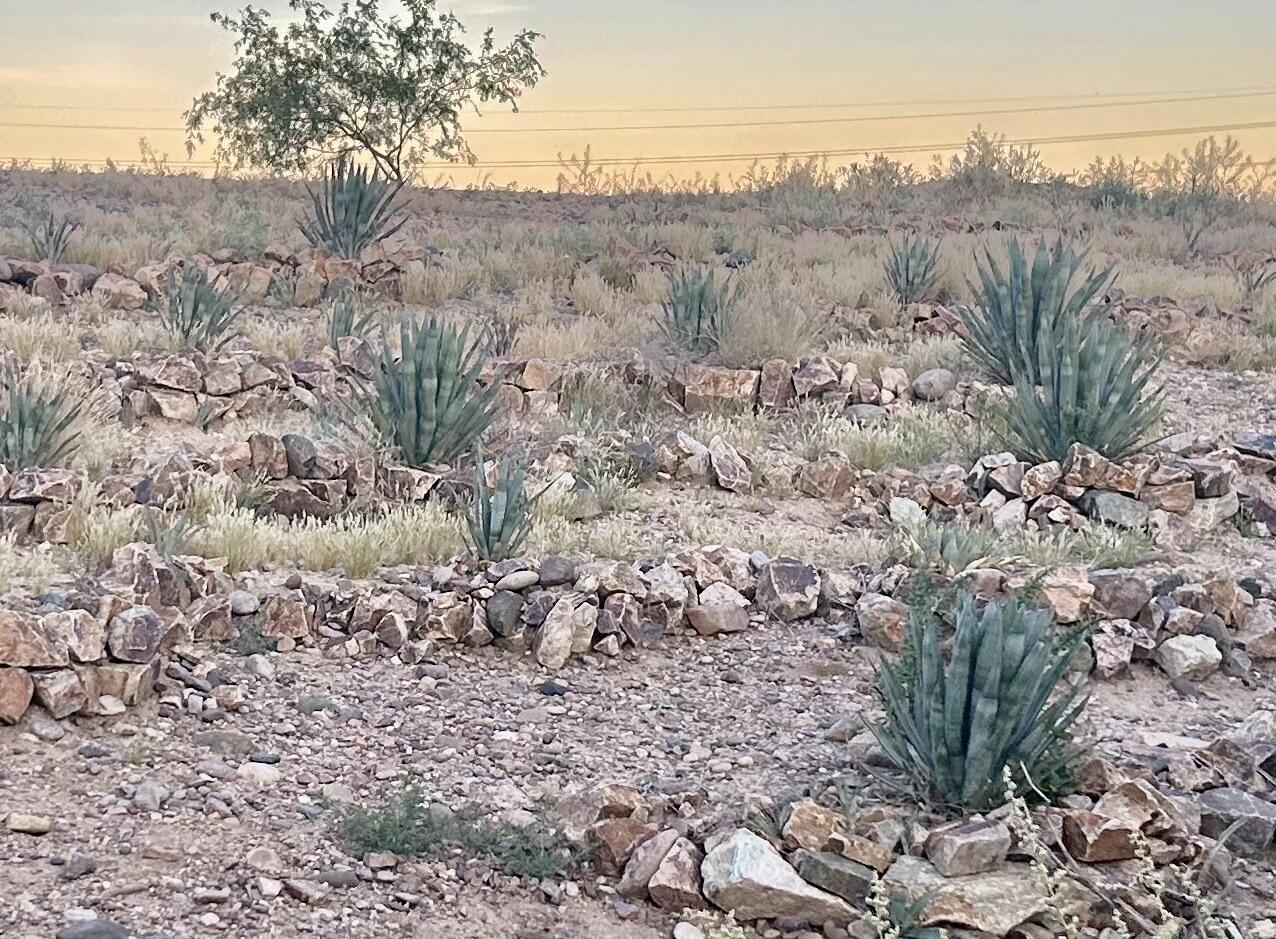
[25, 642]
[59, 692]
[284, 617]
[676, 883]
[811, 826]
[16, 689]
[706, 388]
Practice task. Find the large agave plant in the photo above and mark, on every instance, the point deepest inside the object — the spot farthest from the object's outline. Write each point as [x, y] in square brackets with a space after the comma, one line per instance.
[912, 269]
[1020, 310]
[956, 724]
[40, 420]
[353, 210]
[426, 400]
[1095, 387]
[197, 314]
[500, 518]
[698, 311]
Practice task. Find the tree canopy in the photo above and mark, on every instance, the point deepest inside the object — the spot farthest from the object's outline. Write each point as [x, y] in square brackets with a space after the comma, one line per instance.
[353, 81]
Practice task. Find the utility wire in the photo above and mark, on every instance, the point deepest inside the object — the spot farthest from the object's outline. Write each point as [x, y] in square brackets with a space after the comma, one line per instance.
[826, 106]
[859, 119]
[738, 157]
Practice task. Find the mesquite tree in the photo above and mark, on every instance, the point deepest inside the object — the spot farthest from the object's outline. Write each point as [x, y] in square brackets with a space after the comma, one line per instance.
[354, 82]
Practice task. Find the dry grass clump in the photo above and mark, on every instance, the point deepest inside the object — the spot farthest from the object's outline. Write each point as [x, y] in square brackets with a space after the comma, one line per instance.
[1227, 345]
[910, 438]
[1213, 286]
[39, 335]
[289, 339]
[591, 295]
[446, 279]
[357, 543]
[33, 567]
[775, 315]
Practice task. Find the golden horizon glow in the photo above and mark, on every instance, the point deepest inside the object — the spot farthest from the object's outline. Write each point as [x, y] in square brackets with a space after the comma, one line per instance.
[660, 54]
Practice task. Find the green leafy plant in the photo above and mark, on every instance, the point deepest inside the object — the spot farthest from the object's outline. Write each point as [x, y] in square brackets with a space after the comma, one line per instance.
[197, 314]
[698, 311]
[347, 317]
[954, 725]
[353, 210]
[500, 518]
[50, 238]
[501, 334]
[408, 826]
[1094, 387]
[425, 401]
[894, 916]
[41, 419]
[354, 78]
[1020, 311]
[912, 269]
[170, 533]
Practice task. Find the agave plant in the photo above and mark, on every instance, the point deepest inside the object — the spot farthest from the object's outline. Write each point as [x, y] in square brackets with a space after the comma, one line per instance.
[698, 311]
[40, 420]
[49, 240]
[1021, 310]
[1095, 388]
[198, 315]
[353, 210]
[347, 317]
[500, 519]
[912, 270]
[956, 725]
[426, 400]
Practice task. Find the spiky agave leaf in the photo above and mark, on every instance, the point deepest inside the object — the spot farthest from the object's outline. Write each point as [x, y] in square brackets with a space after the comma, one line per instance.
[352, 210]
[697, 312]
[347, 317]
[500, 518]
[50, 240]
[426, 401]
[1096, 388]
[1021, 310]
[40, 419]
[959, 723]
[912, 268]
[197, 314]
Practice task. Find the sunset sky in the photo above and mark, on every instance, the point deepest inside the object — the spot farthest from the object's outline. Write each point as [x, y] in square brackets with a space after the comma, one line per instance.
[85, 65]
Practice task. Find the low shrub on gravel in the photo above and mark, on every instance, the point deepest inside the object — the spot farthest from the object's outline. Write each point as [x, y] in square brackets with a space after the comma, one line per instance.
[954, 724]
[407, 825]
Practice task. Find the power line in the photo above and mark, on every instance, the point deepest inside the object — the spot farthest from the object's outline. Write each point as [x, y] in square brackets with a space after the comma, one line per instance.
[824, 106]
[985, 112]
[739, 157]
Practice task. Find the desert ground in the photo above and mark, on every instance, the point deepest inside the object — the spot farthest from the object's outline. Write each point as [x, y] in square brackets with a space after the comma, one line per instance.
[257, 677]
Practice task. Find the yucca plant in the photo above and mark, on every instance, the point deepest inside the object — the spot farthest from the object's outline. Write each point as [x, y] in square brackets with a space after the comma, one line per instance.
[354, 209]
[698, 311]
[501, 335]
[1020, 310]
[955, 724]
[40, 419]
[1095, 387]
[912, 269]
[197, 314]
[49, 239]
[347, 317]
[500, 518]
[425, 401]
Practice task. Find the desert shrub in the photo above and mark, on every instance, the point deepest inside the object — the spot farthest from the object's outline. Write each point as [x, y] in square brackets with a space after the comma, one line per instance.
[956, 724]
[912, 268]
[949, 547]
[49, 238]
[347, 317]
[1019, 311]
[500, 519]
[42, 419]
[353, 210]
[198, 315]
[697, 313]
[1095, 389]
[425, 401]
[407, 825]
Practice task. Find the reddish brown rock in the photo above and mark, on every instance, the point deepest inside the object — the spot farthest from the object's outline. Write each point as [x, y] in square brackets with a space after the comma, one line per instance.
[616, 840]
[16, 689]
[284, 618]
[25, 642]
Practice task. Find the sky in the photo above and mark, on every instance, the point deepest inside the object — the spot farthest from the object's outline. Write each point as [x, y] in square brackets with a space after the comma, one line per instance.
[92, 63]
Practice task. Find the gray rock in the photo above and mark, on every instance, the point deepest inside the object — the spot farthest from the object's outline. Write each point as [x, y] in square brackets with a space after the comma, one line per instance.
[867, 414]
[1119, 594]
[838, 875]
[504, 608]
[1220, 808]
[518, 580]
[94, 929]
[1192, 657]
[972, 847]
[788, 589]
[933, 384]
[243, 603]
[556, 570]
[1114, 508]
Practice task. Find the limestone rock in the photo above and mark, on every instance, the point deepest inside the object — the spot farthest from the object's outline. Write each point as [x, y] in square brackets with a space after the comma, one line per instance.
[933, 384]
[968, 847]
[744, 874]
[1193, 657]
[994, 902]
[676, 883]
